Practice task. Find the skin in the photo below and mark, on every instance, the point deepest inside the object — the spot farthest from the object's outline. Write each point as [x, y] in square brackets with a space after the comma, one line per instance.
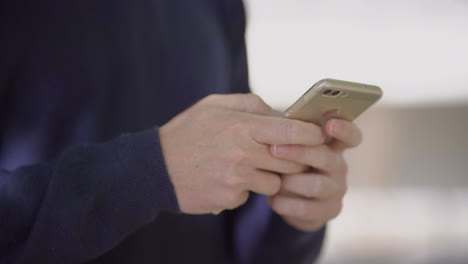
[227, 145]
[308, 200]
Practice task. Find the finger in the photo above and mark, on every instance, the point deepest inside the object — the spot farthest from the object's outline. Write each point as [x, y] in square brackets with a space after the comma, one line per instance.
[280, 166]
[280, 130]
[250, 103]
[306, 209]
[347, 133]
[264, 182]
[320, 157]
[312, 186]
[261, 158]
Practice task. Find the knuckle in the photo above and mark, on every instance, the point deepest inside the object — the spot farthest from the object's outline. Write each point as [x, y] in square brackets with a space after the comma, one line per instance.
[254, 99]
[286, 182]
[243, 198]
[234, 182]
[235, 199]
[240, 129]
[337, 208]
[343, 189]
[358, 136]
[204, 113]
[235, 158]
[278, 206]
[210, 99]
[231, 198]
[274, 186]
[343, 167]
[232, 178]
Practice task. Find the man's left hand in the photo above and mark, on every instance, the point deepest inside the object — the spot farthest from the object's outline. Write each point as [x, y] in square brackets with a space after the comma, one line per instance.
[308, 200]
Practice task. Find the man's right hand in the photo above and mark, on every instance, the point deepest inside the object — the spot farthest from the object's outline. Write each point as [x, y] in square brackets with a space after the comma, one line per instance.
[218, 150]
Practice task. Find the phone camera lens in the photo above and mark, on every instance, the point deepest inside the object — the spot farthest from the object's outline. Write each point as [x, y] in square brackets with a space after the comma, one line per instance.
[336, 93]
[327, 91]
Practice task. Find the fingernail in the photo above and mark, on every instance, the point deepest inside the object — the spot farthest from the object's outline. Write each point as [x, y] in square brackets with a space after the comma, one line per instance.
[280, 150]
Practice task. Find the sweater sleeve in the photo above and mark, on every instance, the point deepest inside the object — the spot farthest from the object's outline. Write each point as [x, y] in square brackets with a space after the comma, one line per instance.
[84, 203]
[261, 236]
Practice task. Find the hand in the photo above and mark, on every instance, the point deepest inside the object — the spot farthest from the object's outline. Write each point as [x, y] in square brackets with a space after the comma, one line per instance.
[307, 201]
[218, 150]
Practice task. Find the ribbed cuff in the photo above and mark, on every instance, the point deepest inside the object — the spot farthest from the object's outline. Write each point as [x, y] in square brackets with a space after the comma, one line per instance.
[143, 159]
[289, 244]
[295, 238]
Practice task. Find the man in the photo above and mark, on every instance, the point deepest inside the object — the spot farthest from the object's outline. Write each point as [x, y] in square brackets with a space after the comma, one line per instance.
[101, 164]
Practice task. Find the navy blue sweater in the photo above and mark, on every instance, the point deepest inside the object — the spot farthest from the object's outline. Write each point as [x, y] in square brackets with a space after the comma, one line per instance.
[84, 85]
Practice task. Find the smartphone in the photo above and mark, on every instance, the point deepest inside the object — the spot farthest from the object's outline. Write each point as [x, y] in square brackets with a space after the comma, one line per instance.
[330, 98]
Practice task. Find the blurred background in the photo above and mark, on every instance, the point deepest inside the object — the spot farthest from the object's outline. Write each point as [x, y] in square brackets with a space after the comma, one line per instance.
[408, 196]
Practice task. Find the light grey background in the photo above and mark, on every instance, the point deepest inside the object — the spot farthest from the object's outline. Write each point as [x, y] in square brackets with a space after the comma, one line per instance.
[408, 196]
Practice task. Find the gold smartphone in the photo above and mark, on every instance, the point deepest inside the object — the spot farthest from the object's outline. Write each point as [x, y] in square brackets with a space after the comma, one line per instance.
[330, 98]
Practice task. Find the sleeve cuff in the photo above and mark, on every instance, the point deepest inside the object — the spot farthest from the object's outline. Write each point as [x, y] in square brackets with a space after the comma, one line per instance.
[296, 246]
[296, 239]
[141, 155]
[259, 232]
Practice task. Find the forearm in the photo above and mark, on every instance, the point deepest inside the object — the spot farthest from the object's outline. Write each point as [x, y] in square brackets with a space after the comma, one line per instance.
[84, 203]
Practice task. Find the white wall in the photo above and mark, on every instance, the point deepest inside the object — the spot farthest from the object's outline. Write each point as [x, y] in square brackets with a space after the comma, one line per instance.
[416, 50]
